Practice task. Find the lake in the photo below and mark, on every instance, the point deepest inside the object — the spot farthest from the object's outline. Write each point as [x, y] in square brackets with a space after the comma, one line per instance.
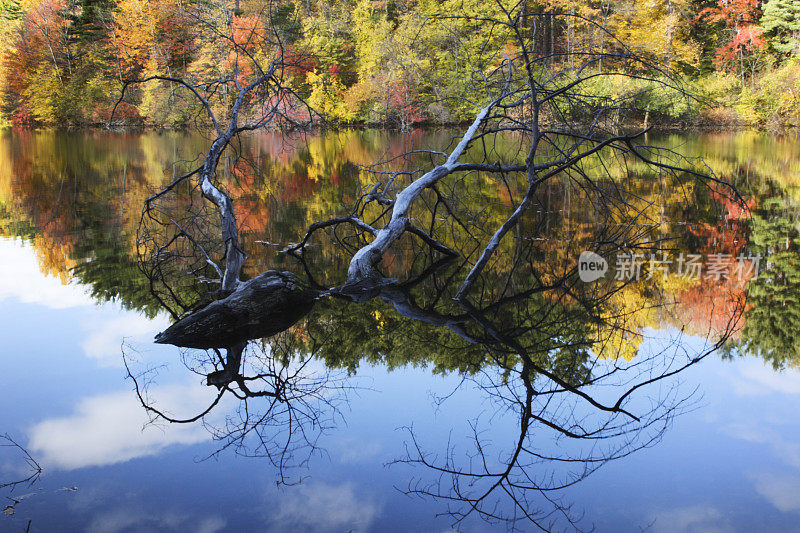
[404, 411]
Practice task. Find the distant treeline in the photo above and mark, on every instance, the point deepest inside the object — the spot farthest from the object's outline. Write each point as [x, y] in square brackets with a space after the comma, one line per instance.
[401, 62]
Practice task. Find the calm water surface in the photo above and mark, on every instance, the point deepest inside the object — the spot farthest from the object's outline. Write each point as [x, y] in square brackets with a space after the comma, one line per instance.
[75, 306]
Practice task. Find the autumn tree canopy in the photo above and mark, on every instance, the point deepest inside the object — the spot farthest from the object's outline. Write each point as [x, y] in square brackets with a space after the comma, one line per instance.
[366, 61]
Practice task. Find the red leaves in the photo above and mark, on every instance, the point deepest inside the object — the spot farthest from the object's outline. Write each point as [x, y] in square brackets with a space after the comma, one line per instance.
[740, 16]
[735, 13]
[746, 39]
[297, 61]
[704, 302]
[728, 236]
[22, 117]
[402, 101]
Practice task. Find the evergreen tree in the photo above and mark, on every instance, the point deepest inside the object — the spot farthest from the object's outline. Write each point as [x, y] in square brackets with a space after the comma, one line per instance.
[10, 10]
[89, 19]
[781, 23]
[773, 319]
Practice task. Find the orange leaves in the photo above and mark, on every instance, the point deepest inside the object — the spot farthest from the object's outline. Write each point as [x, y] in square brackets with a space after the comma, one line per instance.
[509, 51]
[248, 31]
[34, 57]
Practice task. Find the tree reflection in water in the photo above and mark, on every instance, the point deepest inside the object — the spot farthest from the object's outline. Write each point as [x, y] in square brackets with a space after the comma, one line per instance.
[473, 242]
[563, 357]
[593, 344]
[488, 289]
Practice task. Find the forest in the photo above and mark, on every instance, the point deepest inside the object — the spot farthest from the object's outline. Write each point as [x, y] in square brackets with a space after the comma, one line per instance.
[396, 63]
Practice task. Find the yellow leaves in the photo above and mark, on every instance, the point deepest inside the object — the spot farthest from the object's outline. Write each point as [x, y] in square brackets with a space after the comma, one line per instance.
[371, 32]
[583, 9]
[54, 258]
[625, 315]
[359, 96]
[656, 28]
[327, 96]
[619, 344]
[135, 27]
[379, 319]
[141, 31]
[675, 284]
[316, 167]
[43, 94]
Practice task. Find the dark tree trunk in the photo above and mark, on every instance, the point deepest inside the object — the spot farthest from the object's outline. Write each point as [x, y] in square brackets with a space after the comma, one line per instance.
[261, 307]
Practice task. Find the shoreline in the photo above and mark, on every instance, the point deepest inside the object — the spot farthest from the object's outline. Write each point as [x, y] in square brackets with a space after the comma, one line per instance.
[665, 127]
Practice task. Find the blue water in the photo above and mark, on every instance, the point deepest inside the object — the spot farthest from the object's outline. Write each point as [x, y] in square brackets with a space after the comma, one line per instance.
[732, 463]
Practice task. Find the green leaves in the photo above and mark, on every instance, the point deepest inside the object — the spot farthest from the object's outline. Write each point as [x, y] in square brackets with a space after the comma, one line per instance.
[10, 10]
[781, 23]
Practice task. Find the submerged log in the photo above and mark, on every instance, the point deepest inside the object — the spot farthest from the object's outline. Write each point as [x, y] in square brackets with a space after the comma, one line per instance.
[263, 306]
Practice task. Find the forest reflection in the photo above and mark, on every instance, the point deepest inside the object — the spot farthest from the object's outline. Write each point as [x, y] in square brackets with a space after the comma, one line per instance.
[78, 199]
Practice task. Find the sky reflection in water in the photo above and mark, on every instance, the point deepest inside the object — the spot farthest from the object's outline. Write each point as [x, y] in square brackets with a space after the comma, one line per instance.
[731, 464]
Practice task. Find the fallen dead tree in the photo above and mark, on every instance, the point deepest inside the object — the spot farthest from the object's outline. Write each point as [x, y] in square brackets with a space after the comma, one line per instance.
[531, 358]
[260, 307]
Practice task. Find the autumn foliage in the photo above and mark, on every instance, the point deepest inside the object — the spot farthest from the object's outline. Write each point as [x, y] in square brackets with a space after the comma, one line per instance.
[367, 61]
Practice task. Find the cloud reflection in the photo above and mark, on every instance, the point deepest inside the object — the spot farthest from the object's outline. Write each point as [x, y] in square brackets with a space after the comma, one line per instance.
[105, 336]
[126, 519]
[110, 428]
[322, 507]
[20, 278]
[780, 490]
[751, 376]
[751, 429]
[692, 519]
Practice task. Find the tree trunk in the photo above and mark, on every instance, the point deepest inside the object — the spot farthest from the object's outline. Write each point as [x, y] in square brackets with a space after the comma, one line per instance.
[261, 307]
